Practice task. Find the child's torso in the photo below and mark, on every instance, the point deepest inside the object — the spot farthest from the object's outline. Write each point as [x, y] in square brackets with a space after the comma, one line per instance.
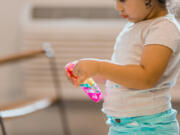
[120, 101]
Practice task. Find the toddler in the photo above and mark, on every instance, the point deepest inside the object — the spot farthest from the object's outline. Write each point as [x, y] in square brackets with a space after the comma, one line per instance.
[143, 68]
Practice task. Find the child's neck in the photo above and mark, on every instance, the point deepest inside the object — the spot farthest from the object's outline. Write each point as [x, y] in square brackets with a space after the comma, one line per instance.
[157, 12]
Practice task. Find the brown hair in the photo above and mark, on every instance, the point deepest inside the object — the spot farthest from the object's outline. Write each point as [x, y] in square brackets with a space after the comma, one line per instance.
[171, 5]
[162, 1]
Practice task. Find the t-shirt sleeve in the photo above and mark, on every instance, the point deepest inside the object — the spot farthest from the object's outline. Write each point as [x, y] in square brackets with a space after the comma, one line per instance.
[164, 33]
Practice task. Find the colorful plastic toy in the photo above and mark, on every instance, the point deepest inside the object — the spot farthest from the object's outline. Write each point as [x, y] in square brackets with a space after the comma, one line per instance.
[89, 86]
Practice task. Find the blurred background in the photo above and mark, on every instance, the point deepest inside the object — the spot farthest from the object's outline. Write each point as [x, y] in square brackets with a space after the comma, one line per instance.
[75, 29]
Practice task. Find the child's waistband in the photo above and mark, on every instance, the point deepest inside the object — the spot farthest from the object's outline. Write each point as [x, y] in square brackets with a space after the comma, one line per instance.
[168, 115]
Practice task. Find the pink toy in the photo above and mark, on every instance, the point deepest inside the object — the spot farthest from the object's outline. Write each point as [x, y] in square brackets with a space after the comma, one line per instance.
[89, 86]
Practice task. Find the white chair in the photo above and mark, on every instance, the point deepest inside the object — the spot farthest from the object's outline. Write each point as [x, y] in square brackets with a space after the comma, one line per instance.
[33, 104]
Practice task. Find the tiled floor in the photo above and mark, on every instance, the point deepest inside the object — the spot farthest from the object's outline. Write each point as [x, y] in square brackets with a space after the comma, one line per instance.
[85, 118]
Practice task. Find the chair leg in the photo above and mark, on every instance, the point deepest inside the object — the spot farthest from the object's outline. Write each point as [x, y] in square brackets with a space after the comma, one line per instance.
[2, 126]
[64, 120]
[62, 108]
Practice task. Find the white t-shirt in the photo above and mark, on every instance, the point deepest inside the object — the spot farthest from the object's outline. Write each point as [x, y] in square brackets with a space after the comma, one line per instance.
[120, 101]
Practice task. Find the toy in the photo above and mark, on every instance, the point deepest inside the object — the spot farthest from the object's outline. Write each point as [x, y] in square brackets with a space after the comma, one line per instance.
[89, 86]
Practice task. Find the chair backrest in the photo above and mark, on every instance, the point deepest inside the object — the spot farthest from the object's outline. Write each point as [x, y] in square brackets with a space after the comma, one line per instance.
[35, 103]
[25, 106]
[28, 104]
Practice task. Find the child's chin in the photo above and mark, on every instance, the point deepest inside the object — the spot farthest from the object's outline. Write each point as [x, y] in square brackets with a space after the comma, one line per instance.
[133, 20]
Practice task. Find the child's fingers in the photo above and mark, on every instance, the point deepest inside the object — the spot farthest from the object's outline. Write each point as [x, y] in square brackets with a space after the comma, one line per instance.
[72, 72]
[68, 77]
[76, 70]
[72, 80]
[81, 79]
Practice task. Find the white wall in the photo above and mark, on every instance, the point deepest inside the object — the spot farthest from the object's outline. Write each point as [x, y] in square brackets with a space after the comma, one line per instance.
[10, 11]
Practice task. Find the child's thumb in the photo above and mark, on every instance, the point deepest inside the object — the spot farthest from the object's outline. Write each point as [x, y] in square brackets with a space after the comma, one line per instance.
[81, 79]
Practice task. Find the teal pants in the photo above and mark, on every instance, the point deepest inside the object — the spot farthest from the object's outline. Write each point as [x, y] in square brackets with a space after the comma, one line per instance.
[164, 123]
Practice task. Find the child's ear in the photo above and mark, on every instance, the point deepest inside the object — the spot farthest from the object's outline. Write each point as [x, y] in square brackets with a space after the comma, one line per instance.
[148, 3]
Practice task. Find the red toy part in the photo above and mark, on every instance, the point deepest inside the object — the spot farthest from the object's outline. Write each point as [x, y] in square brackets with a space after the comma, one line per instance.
[69, 70]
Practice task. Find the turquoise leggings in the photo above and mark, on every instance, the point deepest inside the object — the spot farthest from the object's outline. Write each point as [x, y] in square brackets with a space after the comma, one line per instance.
[164, 123]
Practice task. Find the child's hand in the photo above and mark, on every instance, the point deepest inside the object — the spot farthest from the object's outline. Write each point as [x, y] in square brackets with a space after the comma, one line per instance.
[99, 79]
[69, 72]
[84, 69]
[71, 79]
